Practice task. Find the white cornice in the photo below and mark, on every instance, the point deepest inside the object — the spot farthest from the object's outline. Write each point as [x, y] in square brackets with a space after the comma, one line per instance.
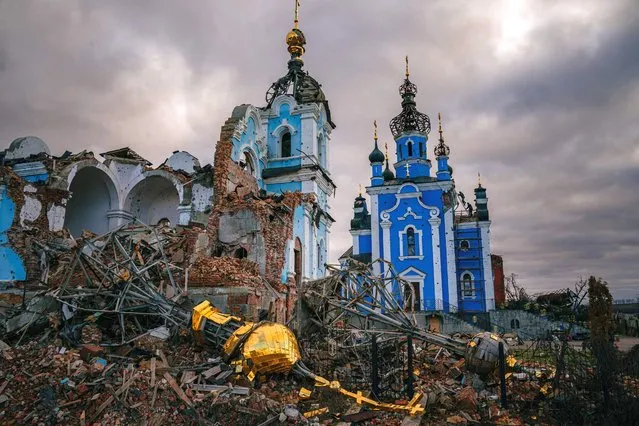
[424, 186]
[303, 175]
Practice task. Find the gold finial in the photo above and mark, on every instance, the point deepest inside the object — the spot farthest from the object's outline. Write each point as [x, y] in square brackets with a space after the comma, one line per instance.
[441, 132]
[386, 149]
[375, 125]
[407, 72]
[295, 38]
[478, 179]
[360, 189]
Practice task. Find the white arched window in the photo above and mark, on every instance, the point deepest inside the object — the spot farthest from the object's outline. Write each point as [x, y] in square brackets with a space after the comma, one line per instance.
[249, 164]
[411, 243]
[467, 285]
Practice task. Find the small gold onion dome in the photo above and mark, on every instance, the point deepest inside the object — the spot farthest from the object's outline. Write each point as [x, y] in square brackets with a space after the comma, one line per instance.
[295, 40]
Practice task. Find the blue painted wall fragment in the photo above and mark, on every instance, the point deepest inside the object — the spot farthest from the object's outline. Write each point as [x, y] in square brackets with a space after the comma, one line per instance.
[11, 266]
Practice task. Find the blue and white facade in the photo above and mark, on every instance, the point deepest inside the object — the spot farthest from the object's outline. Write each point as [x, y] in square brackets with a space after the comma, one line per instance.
[285, 146]
[411, 221]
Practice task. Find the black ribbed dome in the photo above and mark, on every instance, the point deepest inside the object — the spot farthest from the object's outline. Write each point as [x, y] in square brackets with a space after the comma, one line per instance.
[388, 174]
[409, 119]
[376, 156]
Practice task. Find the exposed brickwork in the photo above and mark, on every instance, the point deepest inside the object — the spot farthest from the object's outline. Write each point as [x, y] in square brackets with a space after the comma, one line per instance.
[228, 175]
[236, 190]
[22, 239]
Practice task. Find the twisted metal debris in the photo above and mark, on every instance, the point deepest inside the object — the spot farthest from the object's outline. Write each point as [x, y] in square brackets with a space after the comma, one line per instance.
[123, 278]
[358, 300]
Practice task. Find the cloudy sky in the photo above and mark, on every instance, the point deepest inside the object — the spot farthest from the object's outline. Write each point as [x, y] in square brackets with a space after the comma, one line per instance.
[540, 96]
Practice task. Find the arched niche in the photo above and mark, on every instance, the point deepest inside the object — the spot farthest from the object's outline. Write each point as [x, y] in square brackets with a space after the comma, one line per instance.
[93, 195]
[154, 199]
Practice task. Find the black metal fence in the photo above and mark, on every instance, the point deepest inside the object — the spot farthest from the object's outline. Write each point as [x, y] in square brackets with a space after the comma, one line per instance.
[579, 382]
[377, 364]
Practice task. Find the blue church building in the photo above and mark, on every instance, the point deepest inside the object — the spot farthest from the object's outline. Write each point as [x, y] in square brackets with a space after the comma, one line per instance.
[417, 221]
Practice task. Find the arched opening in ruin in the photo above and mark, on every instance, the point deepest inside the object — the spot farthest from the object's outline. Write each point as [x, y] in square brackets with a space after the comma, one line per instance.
[93, 194]
[154, 199]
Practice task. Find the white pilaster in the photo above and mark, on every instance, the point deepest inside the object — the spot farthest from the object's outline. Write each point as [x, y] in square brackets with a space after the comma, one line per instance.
[386, 225]
[290, 261]
[375, 253]
[437, 264]
[355, 242]
[184, 215]
[309, 138]
[451, 265]
[308, 248]
[489, 285]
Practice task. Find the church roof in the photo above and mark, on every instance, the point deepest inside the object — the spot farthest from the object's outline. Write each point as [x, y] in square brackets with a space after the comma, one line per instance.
[376, 156]
[125, 153]
[297, 82]
[409, 119]
[388, 173]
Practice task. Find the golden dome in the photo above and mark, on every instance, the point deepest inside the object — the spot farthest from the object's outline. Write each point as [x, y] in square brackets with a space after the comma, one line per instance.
[295, 40]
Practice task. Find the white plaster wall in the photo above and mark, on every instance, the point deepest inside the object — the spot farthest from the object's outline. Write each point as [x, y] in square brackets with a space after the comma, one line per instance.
[182, 160]
[30, 210]
[309, 137]
[93, 194]
[25, 147]
[55, 215]
[489, 285]
[153, 199]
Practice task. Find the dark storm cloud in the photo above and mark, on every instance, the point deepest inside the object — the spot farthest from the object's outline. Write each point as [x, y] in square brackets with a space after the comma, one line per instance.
[551, 123]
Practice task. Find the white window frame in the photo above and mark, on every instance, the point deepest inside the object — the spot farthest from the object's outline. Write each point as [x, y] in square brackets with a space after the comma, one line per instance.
[464, 291]
[419, 249]
[414, 275]
[251, 162]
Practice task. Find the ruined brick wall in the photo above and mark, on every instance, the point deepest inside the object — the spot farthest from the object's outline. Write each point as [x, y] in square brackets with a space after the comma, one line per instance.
[228, 175]
[235, 191]
[30, 222]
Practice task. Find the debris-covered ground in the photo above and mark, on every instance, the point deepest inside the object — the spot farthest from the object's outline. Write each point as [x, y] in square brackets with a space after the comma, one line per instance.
[156, 381]
[120, 342]
[170, 379]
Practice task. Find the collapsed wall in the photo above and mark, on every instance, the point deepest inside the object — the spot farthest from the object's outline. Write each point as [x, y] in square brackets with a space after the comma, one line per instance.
[236, 241]
[249, 232]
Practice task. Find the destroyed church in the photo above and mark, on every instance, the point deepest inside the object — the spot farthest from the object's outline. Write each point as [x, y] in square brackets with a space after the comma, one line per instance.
[249, 230]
